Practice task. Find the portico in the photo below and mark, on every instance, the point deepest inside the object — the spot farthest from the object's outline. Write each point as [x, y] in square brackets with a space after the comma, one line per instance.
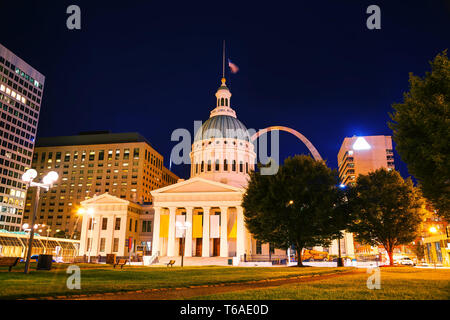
[212, 213]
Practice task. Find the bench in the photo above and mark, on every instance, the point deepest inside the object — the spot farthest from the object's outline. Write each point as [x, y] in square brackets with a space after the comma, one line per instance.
[9, 262]
[120, 263]
[171, 263]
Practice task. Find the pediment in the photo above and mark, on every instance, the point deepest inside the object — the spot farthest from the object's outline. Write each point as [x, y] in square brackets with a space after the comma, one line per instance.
[197, 185]
[104, 198]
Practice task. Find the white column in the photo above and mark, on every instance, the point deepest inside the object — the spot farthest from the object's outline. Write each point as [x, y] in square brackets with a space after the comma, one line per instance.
[171, 240]
[188, 239]
[205, 243]
[156, 223]
[84, 234]
[240, 228]
[223, 232]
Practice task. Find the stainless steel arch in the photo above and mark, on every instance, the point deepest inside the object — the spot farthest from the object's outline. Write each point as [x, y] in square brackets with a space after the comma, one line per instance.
[307, 143]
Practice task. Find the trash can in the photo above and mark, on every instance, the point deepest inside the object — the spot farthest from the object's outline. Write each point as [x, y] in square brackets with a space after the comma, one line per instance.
[230, 262]
[44, 262]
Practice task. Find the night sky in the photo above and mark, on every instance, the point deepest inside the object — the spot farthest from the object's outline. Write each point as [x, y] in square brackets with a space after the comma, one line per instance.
[154, 66]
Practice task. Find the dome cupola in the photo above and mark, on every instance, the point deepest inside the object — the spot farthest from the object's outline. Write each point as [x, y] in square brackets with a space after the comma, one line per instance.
[222, 150]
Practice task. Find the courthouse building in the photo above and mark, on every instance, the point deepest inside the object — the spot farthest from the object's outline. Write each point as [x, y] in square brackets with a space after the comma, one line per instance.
[203, 216]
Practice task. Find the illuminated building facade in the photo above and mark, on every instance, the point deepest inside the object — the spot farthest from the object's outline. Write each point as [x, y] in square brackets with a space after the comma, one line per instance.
[21, 90]
[361, 155]
[116, 226]
[121, 164]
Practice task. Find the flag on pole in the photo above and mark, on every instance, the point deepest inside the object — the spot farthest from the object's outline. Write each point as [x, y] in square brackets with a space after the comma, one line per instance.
[234, 68]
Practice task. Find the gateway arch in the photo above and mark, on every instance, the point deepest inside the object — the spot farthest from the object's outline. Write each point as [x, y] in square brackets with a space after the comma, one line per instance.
[306, 142]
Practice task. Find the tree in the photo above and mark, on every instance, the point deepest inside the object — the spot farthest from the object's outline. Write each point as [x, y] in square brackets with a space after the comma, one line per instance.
[419, 251]
[421, 132]
[342, 214]
[386, 210]
[294, 206]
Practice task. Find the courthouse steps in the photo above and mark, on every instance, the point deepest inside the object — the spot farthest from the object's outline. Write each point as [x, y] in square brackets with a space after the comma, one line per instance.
[194, 261]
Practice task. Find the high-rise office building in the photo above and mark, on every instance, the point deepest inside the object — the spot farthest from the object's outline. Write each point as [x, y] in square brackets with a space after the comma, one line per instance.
[122, 164]
[361, 155]
[21, 89]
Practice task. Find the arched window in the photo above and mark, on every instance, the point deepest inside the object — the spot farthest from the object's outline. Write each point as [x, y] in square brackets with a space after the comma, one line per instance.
[221, 102]
[241, 167]
[196, 168]
[209, 165]
[203, 166]
[226, 102]
[246, 167]
[217, 165]
[233, 165]
[225, 165]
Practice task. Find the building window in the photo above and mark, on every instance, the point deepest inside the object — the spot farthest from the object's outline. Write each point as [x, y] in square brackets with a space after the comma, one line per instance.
[89, 243]
[102, 244]
[117, 226]
[126, 154]
[202, 166]
[116, 245]
[147, 226]
[136, 153]
[225, 165]
[233, 165]
[241, 167]
[90, 223]
[104, 223]
[258, 247]
[209, 165]
[131, 224]
[217, 165]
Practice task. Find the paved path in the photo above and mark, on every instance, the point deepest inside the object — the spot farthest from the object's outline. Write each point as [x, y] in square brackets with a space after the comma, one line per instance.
[195, 291]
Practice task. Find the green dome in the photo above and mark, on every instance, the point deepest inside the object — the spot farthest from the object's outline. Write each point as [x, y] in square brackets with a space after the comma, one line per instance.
[222, 126]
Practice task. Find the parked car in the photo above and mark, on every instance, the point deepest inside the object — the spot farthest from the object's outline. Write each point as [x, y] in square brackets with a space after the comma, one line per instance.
[406, 261]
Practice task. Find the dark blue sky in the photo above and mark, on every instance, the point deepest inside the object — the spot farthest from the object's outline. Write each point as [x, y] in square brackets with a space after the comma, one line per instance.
[154, 66]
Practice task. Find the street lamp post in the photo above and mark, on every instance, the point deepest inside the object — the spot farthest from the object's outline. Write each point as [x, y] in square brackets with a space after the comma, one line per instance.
[47, 182]
[340, 261]
[48, 232]
[183, 227]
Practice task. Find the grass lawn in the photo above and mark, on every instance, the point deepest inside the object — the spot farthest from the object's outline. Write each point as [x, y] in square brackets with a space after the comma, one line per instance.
[396, 283]
[102, 278]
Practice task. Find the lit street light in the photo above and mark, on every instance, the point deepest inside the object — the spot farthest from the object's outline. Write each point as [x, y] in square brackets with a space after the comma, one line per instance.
[47, 183]
[433, 229]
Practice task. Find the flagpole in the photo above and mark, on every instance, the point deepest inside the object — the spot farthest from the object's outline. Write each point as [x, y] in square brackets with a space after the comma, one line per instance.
[223, 63]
